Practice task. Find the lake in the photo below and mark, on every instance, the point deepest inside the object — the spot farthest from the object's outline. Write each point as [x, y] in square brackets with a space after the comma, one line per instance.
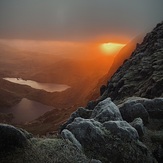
[27, 110]
[49, 87]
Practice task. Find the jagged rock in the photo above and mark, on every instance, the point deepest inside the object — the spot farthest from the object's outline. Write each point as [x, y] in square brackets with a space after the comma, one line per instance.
[106, 136]
[11, 138]
[86, 130]
[100, 143]
[132, 109]
[144, 109]
[91, 105]
[122, 129]
[106, 110]
[141, 75]
[81, 112]
[95, 161]
[154, 107]
[138, 125]
[66, 134]
[102, 89]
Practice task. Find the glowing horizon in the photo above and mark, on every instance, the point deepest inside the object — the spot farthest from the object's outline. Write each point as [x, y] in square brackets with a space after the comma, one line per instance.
[111, 48]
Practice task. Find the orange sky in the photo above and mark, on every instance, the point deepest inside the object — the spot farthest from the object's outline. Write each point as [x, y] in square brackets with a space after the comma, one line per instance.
[64, 48]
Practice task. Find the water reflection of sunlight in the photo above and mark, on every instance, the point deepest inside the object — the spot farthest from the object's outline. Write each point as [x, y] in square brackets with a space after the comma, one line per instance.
[49, 87]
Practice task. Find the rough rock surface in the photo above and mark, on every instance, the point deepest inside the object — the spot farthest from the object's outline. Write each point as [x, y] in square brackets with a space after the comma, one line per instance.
[131, 110]
[105, 135]
[106, 110]
[141, 75]
[95, 161]
[80, 112]
[144, 108]
[138, 125]
[66, 134]
[154, 107]
[86, 131]
[11, 138]
[121, 128]
[111, 139]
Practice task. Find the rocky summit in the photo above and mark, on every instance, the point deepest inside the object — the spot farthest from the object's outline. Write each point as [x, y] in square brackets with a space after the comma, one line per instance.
[124, 125]
[131, 130]
[142, 74]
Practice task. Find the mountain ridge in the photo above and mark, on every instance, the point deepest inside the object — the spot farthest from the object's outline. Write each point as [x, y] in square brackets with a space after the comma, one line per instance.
[144, 67]
[116, 127]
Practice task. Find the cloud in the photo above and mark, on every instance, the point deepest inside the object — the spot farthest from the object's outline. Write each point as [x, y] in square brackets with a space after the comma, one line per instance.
[77, 19]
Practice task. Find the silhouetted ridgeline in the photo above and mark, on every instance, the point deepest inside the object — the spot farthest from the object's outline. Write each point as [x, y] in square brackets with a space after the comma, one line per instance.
[142, 74]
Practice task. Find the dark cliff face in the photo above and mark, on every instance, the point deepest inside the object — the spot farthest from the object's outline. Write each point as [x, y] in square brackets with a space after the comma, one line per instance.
[142, 74]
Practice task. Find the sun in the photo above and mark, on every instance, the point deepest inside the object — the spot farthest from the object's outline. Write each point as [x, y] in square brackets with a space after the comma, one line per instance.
[111, 48]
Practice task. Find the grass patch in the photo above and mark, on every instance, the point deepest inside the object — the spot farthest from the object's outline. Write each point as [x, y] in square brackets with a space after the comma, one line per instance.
[46, 150]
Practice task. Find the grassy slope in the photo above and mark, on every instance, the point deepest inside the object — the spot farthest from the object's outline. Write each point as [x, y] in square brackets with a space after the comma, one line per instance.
[42, 150]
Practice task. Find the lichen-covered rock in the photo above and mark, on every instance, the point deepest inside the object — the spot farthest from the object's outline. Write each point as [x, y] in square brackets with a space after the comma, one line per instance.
[108, 143]
[11, 138]
[154, 107]
[86, 131]
[80, 112]
[95, 161]
[141, 75]
[133, 109]
[66, 134]
[144, 108]
[106, 110]
[121, 128]
[138, 125]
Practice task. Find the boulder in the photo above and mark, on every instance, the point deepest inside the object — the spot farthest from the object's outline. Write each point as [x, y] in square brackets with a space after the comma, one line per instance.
[86, 130]
[154, 107]
[80, 112]
[132, 109]
[106, 110]
[138, 125]
[113, 141]
[104, 135]
[144, 108]
[121, 128]
[11, 138]
[66, 134]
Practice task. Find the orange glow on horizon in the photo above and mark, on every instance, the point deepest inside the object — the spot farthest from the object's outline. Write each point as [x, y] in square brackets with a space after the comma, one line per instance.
[111, 48]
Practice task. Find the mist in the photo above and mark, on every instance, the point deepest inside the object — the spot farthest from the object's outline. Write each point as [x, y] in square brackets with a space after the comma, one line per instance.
[76, 20]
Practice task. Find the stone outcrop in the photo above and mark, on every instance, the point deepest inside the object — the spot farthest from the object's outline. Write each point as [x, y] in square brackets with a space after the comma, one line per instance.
[108, 138]
[66, 134]
[112, 133]
[106, 110]
[11, 138]
[138, 125]
[131, 110]
[80, 112]
[141, 75]
[121, 128]
[144, 108]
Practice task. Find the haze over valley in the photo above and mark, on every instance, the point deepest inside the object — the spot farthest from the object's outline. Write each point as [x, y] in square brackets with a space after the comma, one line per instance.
[25, 65]
[81, 81]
